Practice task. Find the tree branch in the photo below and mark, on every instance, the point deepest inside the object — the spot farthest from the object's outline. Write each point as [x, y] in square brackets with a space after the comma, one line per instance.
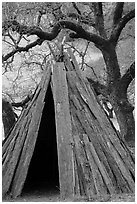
[127, 78]
[118, 12]
[22, 49]
[79, 33]
[77, 9]
[99, 19]
[117, 29]
[62, 25]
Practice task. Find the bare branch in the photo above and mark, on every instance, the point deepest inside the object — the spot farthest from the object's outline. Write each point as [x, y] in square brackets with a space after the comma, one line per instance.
[8, 43]
[80, 32]
[16, 78]
[77, 9]
[22, 49]
[118, 12]
[39, 18]
[120, 25]
[83, 56]
[7, 65]
[87, 65]
[99, 19]
[40, 14]
[127, 78]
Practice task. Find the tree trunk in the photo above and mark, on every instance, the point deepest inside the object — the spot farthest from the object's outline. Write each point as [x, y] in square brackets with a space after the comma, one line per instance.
[117, 96]
[125, 119]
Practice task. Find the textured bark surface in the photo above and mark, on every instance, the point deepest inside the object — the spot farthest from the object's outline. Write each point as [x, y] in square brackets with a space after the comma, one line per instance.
[64, 131]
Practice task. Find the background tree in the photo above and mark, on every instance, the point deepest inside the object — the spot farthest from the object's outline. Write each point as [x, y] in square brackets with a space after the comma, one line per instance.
[109, 26]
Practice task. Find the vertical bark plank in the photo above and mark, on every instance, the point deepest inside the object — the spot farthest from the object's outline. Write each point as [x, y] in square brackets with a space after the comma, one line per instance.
[88, 115]
[10, 163]
[109, 136]
[63, 130]
[29, 145]
[100, 166]
[76, 186]
[15, 165]
[27, 152]
[97, 178]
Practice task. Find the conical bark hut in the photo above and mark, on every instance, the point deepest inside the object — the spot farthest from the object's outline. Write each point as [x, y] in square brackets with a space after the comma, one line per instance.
[92, 160]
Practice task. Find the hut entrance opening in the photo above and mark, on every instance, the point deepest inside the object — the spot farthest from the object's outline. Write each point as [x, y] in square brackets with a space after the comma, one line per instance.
[43, 172]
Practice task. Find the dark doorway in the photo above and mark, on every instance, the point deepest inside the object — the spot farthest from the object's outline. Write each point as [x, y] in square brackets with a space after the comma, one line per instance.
[43, 170]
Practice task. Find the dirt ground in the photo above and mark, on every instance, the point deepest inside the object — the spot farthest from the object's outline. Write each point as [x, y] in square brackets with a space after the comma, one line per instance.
[54, 196]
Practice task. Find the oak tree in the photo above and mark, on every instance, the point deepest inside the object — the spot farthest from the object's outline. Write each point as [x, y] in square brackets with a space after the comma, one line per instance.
[100, 23]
